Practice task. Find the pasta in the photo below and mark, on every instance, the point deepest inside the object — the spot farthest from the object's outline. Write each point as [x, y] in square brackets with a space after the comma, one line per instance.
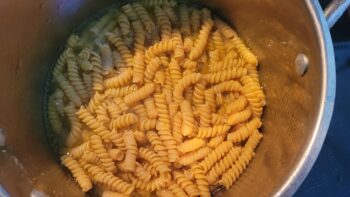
[78, 172]
[155, 98]
[97, 146]
[97, 72]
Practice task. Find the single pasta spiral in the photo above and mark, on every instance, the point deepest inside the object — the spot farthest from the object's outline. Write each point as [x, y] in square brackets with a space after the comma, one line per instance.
[78, 172]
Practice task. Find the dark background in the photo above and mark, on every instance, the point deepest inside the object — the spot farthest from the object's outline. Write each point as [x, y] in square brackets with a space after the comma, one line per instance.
[330, 176]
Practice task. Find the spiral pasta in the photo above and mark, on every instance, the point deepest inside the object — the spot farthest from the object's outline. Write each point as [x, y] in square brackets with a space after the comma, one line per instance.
[188, 121]
[123, 121]
[185, 183]
[194, 156]
[177, 190]
[142, 173]
[121, 47]
[152, 99]
[225, 163]
[129, 162]
[139, 94]
[244, 132]
[119, 80]
[145, 18]
[121, 91]
[191, 145]
[112, 194]
[185, 20]
[78, 172]
[151, 69]
[108, 179]
[97, 146]
[140, 110]
[154, 159]
[239, 117]
[54, 117]
[183, 84]
[97, 72]
[68, 89]
[147, 124]
[75, 79]
[201, 180]
[163, 23]
[150, 108]
[157, 145]
[201, 41]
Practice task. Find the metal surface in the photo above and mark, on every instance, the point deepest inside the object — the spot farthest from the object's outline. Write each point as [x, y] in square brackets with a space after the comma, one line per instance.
[301, 63]
[295, 120]
[335, 10]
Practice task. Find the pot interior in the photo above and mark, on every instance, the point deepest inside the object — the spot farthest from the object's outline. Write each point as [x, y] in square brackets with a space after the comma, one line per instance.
[32, 32]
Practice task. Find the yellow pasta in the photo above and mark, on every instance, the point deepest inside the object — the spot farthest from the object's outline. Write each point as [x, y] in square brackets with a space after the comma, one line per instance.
[129, 162]
[191, 145]
[116, 154]
[108, 179]
[183, 84]
[231, 175]
[188, 121]
[139, 94]
[215, 155]
[140, 110]
[78, 172]
[236, 105]
[142, 173]
[201, 180]
[97, 146]
[177, 190]
[201, 41]
[239, 117]
[244, 132]
[140, 138]
[220, 167]
[91, 157]
[192, 157]
[150, 108]
[157, 145]
[78, 151]
[119, 80]
[186, 183]
[177, 123]
[112, 194]
[151, 69]
[154, 159]
[225, 75]
[123, 121]
[154, 99]
[120, 92]
[215, 141]
[147, 124]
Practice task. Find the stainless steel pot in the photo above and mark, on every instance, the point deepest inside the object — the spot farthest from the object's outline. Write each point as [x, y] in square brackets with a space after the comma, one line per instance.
[296, 118]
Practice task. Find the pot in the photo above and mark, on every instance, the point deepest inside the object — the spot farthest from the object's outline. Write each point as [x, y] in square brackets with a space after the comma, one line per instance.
[297, 69]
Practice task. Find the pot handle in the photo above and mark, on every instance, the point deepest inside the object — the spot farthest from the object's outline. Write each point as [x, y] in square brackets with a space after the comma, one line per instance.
[335, 10]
